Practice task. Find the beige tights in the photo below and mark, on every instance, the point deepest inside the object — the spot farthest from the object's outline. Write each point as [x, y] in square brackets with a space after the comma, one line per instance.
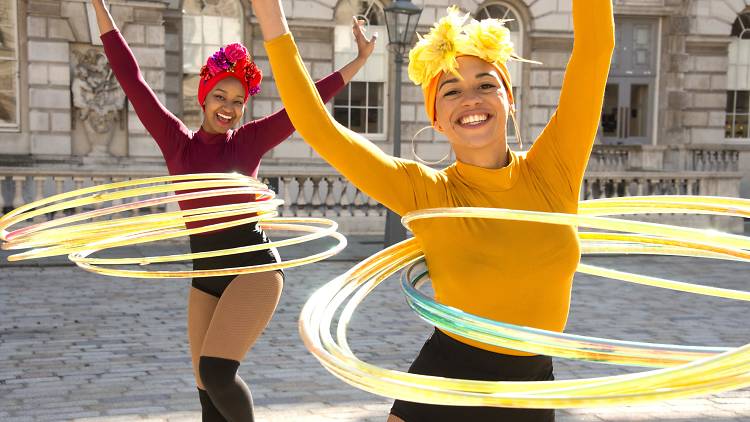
[227, 327]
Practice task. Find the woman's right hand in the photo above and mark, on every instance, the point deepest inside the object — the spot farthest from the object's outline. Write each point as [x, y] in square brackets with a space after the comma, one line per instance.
[103, 18]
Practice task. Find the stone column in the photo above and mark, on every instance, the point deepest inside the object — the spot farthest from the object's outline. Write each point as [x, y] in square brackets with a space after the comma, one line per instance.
[675, 63]
[49, 35]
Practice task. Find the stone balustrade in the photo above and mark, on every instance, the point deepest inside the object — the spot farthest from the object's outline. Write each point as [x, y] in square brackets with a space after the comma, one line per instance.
[304, 195]
[715, 159]
[598, 185]
[610, 158]
[332, 196]
[702, 158]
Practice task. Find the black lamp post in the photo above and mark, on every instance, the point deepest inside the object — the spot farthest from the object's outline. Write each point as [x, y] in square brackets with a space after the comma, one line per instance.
[401, 18]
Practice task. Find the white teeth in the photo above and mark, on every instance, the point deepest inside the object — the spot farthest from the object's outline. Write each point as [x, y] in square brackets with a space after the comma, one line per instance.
[224, 117]
[474, 118]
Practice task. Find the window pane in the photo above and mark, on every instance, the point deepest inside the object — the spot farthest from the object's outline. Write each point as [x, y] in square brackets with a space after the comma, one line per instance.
[741, 27]
[638, 110]
[8, 93]
[642, 36]
[641, 57]
[191, 33]
[231, 30]
[358, 94]
[728, 128]
[193, 57]
[609, 111]
[374, 120]
[360, 108]
[358, 120]
[500, 12]
[375, 94]
[743, 102]
[212, 30]
[740, 126]
[8, 64]
[341, 114]
[730, 101]
[342, 98]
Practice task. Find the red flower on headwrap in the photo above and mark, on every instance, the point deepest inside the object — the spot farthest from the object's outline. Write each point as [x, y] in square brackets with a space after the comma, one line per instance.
[232, 60]
[235, 52]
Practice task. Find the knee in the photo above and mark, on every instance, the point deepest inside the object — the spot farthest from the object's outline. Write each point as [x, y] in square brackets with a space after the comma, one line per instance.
[217, 374]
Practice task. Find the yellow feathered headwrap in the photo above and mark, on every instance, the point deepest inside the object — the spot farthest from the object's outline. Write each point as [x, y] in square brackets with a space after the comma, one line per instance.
[450, 38]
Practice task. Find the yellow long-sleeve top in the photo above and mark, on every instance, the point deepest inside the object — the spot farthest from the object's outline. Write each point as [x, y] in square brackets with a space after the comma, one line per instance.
[515, 272]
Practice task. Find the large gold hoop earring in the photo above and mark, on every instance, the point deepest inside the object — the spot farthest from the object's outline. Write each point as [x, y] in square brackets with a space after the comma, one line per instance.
[515, 126]
[414, 150]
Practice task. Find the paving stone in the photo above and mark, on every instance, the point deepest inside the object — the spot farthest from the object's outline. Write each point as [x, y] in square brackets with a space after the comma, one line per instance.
[82, 347]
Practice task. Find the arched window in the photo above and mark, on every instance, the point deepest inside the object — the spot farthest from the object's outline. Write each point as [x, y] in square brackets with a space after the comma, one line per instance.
[738, 80]
[515, 25]
[8, 65]
[207, 25]
[361, 105]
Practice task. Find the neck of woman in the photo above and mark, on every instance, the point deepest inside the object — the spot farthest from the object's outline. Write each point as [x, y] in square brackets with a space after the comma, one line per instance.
[495, 156]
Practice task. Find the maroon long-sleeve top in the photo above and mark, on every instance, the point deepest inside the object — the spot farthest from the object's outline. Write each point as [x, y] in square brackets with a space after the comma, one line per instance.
[187, 152]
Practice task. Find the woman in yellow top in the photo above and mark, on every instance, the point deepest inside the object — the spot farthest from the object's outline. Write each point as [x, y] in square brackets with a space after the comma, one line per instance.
[516, 272]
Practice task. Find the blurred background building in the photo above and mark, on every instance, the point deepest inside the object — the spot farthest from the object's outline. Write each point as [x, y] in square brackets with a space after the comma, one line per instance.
[675, 116]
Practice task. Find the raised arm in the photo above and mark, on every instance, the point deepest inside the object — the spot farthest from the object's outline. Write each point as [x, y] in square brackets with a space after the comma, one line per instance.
[165, 128]
[267, 132]
[263, 134]
[570, 135]
[379, 175]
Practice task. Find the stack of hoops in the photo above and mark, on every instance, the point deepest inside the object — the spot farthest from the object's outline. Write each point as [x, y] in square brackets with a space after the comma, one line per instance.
[78, 236]
[683, 370]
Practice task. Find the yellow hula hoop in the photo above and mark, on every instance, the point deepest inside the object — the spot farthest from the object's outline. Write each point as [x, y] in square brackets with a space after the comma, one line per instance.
[688, 371]
[62, 236]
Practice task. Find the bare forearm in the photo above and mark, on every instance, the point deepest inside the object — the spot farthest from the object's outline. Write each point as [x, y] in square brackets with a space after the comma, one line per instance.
[351, 69]
[103, 18]
[271, 18]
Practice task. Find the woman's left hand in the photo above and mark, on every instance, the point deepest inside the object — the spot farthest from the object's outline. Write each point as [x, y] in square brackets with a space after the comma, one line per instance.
[365, 46]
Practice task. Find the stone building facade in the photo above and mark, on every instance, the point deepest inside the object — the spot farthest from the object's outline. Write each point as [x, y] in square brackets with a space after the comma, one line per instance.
[675, 118]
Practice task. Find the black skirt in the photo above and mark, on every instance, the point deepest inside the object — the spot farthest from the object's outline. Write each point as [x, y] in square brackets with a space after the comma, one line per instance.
[234, 237]
[445, 356]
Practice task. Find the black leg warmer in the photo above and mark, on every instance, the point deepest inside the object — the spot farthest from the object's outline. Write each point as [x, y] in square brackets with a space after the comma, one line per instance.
[227, 390]
[209, 411]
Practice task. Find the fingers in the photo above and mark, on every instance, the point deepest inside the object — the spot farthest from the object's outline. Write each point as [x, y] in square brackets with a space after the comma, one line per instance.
[358, 30]
[358, 25]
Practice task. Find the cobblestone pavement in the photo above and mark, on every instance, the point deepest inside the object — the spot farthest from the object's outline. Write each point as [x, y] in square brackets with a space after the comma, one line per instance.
[78, 346]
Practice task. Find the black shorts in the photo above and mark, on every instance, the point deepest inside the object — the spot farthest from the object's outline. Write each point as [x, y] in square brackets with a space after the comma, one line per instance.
[234, 237]
[445, 356]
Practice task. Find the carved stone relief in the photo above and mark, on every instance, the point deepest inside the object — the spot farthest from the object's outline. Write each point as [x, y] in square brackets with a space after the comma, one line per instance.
[99, 103]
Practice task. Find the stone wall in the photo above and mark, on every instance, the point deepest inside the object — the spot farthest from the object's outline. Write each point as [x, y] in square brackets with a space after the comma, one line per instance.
[50, 32]
[710, 24]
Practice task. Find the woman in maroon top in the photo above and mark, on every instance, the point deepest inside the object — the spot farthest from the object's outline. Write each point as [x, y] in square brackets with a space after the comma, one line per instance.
[225, 314]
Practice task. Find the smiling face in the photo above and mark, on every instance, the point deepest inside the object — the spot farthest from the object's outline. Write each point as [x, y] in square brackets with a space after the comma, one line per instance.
[224, 106]
[472, 111]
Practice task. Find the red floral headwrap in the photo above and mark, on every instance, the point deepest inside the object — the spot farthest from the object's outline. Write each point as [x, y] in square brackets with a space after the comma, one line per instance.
[232, 60]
